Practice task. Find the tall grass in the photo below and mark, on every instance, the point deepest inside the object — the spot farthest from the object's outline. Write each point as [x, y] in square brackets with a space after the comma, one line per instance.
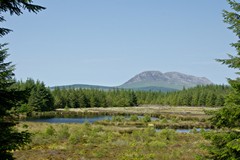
[91, 141]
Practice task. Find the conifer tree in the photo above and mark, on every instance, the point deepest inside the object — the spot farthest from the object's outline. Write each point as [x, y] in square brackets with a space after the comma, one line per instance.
[10, 138]
[16, 7]
[226, 142]
[40, 98]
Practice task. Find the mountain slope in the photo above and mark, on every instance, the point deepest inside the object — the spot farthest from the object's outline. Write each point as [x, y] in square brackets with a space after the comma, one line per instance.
[171, 80]
[151, 80]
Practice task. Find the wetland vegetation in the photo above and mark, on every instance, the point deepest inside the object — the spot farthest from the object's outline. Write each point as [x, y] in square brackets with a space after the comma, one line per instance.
[132, 133]
[93, 141]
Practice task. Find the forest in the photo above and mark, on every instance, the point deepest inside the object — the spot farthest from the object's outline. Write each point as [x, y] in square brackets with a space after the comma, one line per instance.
[38, 97]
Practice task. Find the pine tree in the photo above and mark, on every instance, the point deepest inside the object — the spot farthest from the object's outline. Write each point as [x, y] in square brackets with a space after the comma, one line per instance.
[16, 7]
[226, 142]
[10, 138]
[41, 98]
[132, 99]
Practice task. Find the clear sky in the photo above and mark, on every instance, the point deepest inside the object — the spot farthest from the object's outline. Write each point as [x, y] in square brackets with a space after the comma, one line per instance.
[106, 42]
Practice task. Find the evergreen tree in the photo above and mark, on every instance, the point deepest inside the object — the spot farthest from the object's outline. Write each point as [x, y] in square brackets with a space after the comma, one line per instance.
[37, 97]
[41, 98]
[10, 138]
[83, 100]
[16, 7]
[226, 143]
[59, 100]
[74, 99]
[133, 99]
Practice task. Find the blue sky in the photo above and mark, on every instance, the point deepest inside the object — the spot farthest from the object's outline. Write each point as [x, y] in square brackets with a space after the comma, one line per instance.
[106, 42]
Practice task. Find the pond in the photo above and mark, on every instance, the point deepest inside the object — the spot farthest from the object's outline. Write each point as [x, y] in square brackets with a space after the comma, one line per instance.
[93, 119]
[89, 119]
[71, 120]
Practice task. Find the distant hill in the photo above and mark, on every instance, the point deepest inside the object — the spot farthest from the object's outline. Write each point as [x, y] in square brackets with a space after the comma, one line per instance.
[83, 86]
[151, 81]
[169, 80]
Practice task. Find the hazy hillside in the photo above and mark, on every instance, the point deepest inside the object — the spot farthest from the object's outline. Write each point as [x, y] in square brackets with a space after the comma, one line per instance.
[172, 80]
[152, 80]
[83, 86]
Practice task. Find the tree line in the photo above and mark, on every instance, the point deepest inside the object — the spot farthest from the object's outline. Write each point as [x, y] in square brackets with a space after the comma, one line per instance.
[210, 95]
[35, 96]
[38, 97]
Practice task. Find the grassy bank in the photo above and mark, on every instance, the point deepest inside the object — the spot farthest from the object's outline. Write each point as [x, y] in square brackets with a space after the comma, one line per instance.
[171, 117]
[91, 141]
[154, 111]
[161, 122]
[145, 109]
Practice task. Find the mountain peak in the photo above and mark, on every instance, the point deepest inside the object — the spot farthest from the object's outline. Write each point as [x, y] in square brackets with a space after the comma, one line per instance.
[174, 80]
[146, 76]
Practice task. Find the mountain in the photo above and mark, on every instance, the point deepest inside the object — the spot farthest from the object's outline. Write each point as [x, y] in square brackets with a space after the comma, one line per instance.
[169, 81]
[151, 81]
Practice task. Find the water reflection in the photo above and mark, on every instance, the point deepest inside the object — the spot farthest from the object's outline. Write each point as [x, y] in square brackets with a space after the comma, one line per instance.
[71, 120]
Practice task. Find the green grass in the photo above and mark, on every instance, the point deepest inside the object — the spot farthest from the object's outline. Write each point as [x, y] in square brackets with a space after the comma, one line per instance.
[121, 138]
[91, 141]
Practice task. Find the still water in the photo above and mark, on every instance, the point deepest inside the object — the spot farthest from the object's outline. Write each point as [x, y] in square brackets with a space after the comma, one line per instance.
[71, 120]
[92, 120]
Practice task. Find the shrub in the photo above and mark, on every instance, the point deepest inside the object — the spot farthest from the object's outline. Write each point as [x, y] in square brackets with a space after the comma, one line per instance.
[146, 119]
[63, 133]
[157, 144]
[118, 118]
[168, 134]
[133, 118]
[75, 137]
[50, 131]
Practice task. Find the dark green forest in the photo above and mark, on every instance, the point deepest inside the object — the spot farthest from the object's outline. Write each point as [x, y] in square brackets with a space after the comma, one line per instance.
[210, 95]
[38, 97]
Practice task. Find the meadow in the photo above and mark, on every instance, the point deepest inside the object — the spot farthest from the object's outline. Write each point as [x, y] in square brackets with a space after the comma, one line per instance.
[90, 141]
[120, 138]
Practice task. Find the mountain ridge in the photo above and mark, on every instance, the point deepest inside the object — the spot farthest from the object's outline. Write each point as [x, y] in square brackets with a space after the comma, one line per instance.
[152, 80]
[175, 80]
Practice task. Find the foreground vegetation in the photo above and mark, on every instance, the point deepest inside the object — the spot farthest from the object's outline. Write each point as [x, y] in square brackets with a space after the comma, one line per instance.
[91, 141]
[147, 133]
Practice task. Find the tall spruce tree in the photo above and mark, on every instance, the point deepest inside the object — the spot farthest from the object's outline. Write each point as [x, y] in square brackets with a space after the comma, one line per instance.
[40, 98]
[10, 138]
[225, 143]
